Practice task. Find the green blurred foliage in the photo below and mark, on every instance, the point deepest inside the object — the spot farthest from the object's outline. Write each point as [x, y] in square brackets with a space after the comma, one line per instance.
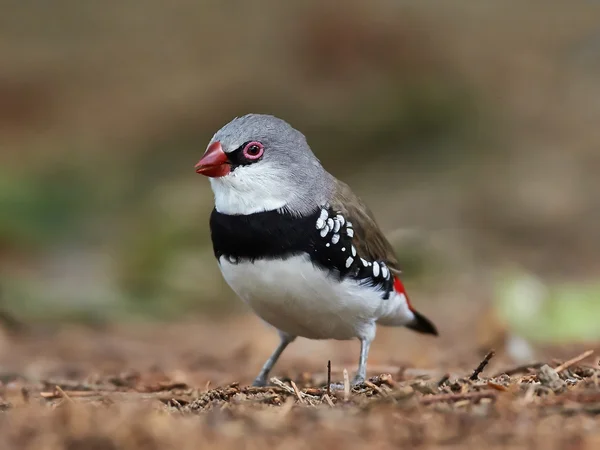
[557, 312]
[42, 208]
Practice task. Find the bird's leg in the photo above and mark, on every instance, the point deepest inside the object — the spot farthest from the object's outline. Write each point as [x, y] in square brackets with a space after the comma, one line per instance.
[261, 379]
[361, 373]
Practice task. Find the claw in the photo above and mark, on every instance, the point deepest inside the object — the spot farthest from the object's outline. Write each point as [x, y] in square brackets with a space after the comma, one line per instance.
[356, 381]
[259, 382]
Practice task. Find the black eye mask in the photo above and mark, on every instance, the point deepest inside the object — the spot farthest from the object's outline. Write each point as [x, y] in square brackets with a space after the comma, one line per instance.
[237, 157]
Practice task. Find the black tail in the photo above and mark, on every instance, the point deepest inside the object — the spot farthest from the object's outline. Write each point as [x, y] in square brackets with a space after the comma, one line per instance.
[422, 324]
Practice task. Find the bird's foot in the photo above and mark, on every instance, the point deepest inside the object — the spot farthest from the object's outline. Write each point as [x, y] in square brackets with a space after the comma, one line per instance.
[356, 381]
[259, 382]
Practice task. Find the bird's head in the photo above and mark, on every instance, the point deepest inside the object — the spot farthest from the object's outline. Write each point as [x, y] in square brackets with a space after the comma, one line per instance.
[260, 163]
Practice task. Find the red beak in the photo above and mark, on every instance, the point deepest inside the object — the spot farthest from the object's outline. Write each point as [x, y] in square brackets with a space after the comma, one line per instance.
[214, 163]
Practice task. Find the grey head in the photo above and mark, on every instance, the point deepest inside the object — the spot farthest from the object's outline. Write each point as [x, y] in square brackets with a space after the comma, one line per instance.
[267, 165]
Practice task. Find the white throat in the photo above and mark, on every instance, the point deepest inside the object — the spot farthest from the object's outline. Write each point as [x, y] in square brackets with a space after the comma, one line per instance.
[247, 191]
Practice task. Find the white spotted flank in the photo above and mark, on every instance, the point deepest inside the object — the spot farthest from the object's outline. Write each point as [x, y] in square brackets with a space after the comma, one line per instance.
[384, 271]
[375, 269]
[337, 225]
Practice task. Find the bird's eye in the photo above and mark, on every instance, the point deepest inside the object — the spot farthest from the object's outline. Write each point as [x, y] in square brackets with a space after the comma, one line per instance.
[253, 150]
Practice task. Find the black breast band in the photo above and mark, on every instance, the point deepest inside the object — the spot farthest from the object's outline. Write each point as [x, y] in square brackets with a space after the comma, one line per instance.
[324, 235]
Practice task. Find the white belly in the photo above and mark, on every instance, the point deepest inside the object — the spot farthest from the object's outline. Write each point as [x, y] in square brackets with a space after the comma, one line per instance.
[303, 300]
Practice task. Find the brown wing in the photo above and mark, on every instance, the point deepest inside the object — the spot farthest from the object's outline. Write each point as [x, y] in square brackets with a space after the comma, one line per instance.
[368, 239]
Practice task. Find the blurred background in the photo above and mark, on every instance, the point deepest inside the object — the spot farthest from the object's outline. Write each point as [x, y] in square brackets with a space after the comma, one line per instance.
[470, 128]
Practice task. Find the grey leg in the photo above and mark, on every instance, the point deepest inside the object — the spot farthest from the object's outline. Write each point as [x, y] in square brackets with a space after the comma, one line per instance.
[261, 379]
[361, 373]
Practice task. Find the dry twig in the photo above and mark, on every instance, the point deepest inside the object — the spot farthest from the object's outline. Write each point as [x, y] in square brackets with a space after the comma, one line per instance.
[519, 369]
[482, 365]
[573, 361]
[297, 392]
[375, 388]
[329, 378]
[458, 397]
[327, 399]
[277, 382]
[64, 394]
[497, 386]
[60, 394]
[346, 386]
[530, 394]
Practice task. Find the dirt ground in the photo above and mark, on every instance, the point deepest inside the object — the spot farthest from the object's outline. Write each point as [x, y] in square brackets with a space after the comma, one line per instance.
[185, 385]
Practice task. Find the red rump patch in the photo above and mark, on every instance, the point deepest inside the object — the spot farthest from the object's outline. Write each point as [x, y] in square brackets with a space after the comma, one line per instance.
[399, 287]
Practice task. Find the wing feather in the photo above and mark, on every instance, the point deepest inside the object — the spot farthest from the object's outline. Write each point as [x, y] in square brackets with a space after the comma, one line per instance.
[368, 239]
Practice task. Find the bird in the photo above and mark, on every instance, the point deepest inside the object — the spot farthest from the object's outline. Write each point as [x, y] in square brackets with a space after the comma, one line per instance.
[296, 244]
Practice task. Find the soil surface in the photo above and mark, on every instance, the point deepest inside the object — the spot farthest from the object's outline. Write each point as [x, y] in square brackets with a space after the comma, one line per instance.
[155, 386]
